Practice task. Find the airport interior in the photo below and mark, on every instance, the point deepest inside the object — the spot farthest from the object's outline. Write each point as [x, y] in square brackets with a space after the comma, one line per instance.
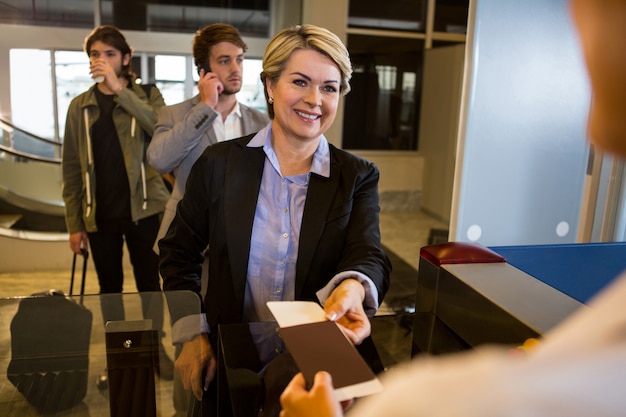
[500, 220]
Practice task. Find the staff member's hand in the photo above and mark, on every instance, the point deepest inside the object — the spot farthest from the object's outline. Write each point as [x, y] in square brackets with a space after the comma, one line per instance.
[345, 306]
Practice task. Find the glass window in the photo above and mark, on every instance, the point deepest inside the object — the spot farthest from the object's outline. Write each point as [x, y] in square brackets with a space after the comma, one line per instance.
[251, 17]
[381, 111]
[168, 67]
[31, 87]
[408, 15]
[169, 75]
[31, 75]
[67, 13]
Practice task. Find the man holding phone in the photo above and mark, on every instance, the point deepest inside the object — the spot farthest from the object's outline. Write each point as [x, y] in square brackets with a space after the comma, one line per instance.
[184, 130]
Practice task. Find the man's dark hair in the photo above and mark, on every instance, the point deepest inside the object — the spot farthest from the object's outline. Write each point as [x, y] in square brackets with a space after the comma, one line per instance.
[205, 38]
[111, 36]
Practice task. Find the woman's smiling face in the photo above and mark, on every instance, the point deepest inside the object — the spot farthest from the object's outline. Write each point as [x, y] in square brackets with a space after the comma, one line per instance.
[306, 95]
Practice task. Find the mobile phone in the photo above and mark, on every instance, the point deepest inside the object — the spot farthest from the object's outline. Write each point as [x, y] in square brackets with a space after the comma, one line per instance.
[204, 67]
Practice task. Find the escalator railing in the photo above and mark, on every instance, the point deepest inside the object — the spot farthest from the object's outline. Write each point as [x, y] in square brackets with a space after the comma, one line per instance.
[28, 145]
[30, 185]
[28, 156]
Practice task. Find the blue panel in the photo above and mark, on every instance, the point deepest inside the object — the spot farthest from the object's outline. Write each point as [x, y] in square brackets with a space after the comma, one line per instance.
[578, 270]
[523, 154]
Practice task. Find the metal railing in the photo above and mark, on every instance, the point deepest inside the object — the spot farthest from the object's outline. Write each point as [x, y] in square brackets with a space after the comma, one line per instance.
[29, 193]
[25, 145]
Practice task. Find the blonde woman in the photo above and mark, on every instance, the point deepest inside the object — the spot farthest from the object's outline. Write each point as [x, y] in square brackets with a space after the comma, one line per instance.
[286, 215]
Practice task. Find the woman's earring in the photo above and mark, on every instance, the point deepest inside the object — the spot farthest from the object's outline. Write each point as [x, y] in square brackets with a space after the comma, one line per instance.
[270, 100]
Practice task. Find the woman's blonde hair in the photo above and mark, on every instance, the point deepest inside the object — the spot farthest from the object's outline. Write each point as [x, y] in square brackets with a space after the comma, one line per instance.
[312, 37]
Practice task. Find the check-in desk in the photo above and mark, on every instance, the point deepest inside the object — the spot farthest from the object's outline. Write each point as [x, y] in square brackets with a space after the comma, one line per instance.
[468, 294]
[53, 348]
[66, 337]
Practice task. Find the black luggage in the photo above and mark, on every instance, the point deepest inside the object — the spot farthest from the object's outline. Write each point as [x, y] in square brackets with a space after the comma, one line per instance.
[50, 348]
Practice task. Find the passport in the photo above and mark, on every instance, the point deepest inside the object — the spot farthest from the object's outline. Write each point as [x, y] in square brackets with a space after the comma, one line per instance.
[317, 344]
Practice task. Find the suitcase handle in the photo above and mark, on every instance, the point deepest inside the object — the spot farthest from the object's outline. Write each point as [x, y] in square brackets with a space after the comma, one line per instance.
[85, 253]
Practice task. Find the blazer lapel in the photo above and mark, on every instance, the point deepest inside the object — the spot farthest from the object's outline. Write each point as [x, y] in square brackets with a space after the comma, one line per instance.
[319, 200]
[241, 190]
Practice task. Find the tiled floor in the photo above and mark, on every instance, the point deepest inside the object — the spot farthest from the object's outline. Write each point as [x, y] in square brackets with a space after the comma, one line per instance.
[403, 234]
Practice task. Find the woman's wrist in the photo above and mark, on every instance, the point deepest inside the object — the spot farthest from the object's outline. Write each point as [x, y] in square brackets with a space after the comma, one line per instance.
[353, 284]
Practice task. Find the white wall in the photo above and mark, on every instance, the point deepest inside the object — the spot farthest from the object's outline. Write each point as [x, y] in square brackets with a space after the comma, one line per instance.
[399, 171]
[439, 123]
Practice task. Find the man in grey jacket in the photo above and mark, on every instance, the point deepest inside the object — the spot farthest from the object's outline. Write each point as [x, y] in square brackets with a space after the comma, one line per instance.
[184, 130]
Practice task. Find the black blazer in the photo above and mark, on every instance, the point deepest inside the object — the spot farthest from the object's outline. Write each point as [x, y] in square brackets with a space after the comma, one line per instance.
[340, 228]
